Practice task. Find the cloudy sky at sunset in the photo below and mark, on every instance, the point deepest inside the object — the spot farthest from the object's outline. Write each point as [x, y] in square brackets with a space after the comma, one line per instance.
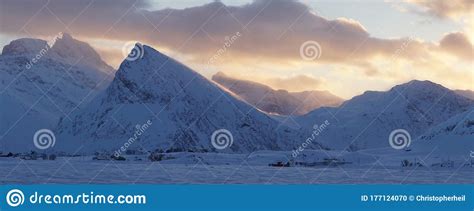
[363, 45]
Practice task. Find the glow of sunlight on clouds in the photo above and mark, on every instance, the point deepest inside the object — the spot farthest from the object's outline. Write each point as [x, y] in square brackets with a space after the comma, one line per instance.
[269, 49]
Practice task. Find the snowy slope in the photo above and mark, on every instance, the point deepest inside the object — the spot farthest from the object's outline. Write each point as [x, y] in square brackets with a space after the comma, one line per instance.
[366, 121]
[39, 84]
[277, 101]
[454, 137]
[183, 107]
[446, 145]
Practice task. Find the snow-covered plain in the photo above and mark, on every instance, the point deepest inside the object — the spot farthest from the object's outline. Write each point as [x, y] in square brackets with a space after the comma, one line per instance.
[213, 168]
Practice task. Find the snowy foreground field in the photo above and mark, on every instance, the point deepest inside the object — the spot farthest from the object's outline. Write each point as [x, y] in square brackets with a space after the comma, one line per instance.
[234, 169]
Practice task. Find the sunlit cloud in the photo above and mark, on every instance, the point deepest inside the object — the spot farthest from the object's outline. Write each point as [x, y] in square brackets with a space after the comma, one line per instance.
[458, 44]
[444, 9]
[268, 48]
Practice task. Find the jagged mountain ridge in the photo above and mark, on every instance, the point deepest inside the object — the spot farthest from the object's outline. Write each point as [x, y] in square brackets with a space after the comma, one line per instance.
[41, 82]
[185, 109]
[110, 119]
[273, 101]
[366, 121]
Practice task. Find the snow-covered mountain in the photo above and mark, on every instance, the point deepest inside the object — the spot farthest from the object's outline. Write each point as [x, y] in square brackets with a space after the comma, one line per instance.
[157, 103]
[454, 137]
[277, 101]
[181, 108]
[41, 82]
[366, 121]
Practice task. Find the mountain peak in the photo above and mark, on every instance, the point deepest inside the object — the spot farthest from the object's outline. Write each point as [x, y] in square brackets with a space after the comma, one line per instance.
[165, 76]
[138, 53]
[274, 101]
[68, 49]
[63, 36]
[66, 36]
[24, 46]
[413, 91]
[420, 84]
[414, 106]
[178, 96]
[62, 47]
[415, 88]
[220, 74]
[423, 83]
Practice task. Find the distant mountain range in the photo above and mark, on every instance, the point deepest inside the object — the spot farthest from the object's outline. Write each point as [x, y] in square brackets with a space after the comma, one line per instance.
[366, 121]
[277, 101]
[90, 111]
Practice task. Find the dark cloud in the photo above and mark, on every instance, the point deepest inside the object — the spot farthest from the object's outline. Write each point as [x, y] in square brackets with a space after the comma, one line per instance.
[45, 17]
[272, 30]
[458, 44]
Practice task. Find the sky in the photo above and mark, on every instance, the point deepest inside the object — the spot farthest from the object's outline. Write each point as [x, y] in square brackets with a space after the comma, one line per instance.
[343, 46]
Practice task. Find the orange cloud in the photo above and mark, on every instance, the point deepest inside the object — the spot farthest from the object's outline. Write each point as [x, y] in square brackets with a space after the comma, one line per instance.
[294, 83]
[272, 30]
